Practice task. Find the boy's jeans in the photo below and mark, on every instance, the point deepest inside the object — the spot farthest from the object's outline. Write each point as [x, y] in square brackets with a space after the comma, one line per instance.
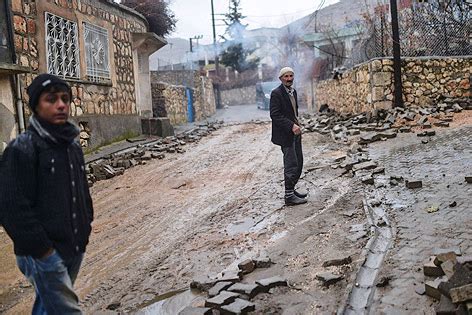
[52, 278]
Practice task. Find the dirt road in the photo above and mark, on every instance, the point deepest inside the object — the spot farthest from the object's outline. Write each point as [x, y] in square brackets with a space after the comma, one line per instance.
[159, 225]
[162, 224]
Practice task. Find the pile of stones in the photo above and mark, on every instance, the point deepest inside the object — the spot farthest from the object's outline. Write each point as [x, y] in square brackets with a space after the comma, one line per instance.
[115, 164]
[228, 293]
[448, 279]
[384, 124]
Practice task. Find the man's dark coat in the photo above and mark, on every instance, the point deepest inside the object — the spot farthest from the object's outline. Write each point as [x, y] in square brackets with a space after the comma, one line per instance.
[282, 115]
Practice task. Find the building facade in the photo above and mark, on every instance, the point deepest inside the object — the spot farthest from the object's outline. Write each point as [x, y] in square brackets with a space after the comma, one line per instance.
[100, 48]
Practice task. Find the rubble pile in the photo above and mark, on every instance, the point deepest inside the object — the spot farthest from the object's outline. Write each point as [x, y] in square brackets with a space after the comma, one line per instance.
[384, 124]
[115, 164]
[448, 279]
[228, 294]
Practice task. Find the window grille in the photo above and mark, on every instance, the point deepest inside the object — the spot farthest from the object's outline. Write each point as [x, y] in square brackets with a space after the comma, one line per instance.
[96, 52]
[62, 47]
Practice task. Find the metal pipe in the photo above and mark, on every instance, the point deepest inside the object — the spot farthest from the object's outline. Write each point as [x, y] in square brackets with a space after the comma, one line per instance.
[19, 104]
[397, 67]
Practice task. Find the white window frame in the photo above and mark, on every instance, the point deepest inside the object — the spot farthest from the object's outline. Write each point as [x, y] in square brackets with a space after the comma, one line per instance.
[62, 46]
[97, 59]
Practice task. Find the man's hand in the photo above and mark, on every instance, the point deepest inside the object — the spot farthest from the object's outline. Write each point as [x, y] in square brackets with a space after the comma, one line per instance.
[296, 129]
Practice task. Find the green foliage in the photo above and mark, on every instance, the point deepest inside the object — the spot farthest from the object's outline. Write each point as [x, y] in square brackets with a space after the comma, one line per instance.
[236, 57]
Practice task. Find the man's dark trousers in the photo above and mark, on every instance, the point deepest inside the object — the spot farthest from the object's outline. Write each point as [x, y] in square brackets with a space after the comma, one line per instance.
[293, 163]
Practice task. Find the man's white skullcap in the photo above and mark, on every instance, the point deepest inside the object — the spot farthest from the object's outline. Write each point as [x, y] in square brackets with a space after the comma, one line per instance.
[284, 71]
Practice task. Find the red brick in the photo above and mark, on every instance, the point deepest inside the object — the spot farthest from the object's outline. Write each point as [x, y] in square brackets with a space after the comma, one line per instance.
[31, 26]
[19, 23]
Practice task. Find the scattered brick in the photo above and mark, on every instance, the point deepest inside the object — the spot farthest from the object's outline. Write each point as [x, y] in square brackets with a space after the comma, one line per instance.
[239, 306]
[431, 270]
[247, 266]
[338, 262]
[445, 307]
[461, 294]
[432, 288]
[272, 282]
[224, 298]
[328, 278]
[462, 276]
[250, 290]
[412, 184]
[364, 166]
[443, 257]
[217, 288]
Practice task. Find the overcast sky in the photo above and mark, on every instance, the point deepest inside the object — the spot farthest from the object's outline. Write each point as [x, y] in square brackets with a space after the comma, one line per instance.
[194, 16]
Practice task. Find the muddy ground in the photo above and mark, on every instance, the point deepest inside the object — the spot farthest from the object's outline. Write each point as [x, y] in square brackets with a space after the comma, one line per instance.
[162, 224]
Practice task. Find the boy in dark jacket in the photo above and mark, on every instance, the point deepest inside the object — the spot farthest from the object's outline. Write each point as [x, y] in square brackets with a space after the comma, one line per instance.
[45, 203]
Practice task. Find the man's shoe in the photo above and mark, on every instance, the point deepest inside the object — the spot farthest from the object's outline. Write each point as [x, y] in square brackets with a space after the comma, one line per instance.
[294, 200]
[300, 195]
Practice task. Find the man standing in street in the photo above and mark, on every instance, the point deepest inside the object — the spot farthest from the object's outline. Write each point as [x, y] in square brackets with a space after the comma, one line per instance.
[45, 203]
[286, 133]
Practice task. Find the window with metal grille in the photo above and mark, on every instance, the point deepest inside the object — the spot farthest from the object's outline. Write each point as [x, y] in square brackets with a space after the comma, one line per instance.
[62, 47]
[96, 52]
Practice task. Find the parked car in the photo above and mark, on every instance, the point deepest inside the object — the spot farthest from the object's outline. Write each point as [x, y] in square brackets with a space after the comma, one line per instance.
[263, 90]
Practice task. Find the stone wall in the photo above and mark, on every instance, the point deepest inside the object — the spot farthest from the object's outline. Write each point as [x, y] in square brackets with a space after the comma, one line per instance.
[241, 96]
[169, 96]
[113, 96]
[369, 86]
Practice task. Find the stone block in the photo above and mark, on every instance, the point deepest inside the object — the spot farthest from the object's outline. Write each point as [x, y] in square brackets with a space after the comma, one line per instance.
[382, 79]
[230, 275]
[328, 278]
[462, 293]
[157, 126]
[462, 276]
[431, 270]
[250, 290]
[378, 94]
[247, 266]
[338, 261]
[239, 306]
[448, 268]
[364, 166]
[217, 288]
[224, 298]
[443, 257]
[445, 307]
[272, 282]
[432, 288]
[468, 179]
[202, 283]
[368, 180]
[412, 184]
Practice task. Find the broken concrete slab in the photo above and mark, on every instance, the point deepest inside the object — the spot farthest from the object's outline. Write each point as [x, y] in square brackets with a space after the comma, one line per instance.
[338, 261]
[269, 283]
[247, 266]
[230, 275]
[224, 298]
[462, 293]
[389, 134]
[218, 287]
[239, 306]
[189, 310]
[250, 290]
[328, 278]
[369, 138]
[368, 180]
[412, 183]
[263, 261]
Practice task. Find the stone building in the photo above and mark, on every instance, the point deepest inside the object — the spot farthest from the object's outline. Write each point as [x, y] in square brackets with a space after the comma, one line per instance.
[100, 47]
[182, 95]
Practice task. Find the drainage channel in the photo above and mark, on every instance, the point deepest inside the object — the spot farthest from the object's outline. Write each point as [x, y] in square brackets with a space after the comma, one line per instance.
[362, 292]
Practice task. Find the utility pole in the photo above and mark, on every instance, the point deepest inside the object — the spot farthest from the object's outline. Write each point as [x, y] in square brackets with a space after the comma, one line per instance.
[397, 66]
[217, 61]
